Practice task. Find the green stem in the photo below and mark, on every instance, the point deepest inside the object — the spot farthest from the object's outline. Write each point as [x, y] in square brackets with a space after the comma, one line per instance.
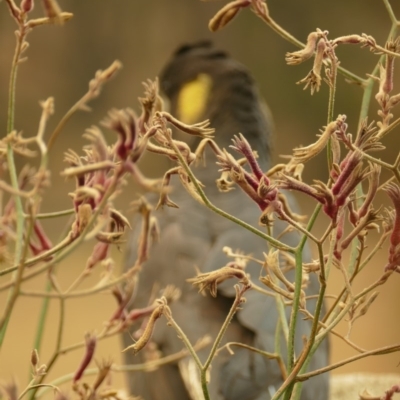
[282, 321]
[16, 284]
[376, 352]
[42, 319]
[331, 101]
[44, 309]
[224, 327]
[390, 11]
[295, 309]
[221, 333]
[307, 353]
[184, 338]
[55, 214]
[12, 296]
[311, 347]
[57, 351]
[35, 387]
[204, 387]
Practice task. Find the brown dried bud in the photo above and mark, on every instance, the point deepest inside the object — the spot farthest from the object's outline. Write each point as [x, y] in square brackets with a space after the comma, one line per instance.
[210, 280]
[104, 369]
[224, 184]
[124, 122]
[267, 281]
[373, 180]
[272, 262]
[27, 5]
[83, 217]
[226, 14]
[171, 293]
[87, 169]
[164, 197]
[200, 129]
[99, 253]
[364, 309]
[64, 17]
[393, 46]
[34, 358]
[313, 266]
[267, 191]
[148, 331]
[102, 77]
[149, 102]
[382, 96]
[366, 222]
[297, 57]
[154, 230]
[349, 39]
[313, 79]
[303, 154]
[91, 341]
[120, 220]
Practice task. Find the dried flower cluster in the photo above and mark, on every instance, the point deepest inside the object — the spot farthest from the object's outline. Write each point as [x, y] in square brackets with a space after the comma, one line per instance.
[100, 171]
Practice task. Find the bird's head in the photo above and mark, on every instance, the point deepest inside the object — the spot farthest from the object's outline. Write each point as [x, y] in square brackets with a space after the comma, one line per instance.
[202, 82]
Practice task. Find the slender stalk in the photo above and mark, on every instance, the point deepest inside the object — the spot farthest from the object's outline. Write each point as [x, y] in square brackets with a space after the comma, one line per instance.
[16, 285]
[55, 214]
[12, 296]
[376, 352]
[221, 333]
[31, 261]
[332, 96]
[295, 310]
[183, 337]
[228, 319]
[309, 349]
[34, 388]
[282, 322]
[81, 293]
[57, 351]
[390, 11]
[37, 344]
[44, 309]
[377, 247]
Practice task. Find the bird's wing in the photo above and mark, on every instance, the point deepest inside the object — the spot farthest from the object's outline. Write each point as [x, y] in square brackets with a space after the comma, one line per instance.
[191, 237]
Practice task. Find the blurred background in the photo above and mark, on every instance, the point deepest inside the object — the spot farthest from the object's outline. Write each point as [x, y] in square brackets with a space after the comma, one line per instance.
[142, 34]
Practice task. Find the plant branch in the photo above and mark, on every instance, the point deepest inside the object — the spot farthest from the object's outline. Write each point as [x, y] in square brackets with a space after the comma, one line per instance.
[376, 352]
[276, 243]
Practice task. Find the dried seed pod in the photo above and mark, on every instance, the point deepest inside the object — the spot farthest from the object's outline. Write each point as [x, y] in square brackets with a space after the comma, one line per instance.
[148, 331]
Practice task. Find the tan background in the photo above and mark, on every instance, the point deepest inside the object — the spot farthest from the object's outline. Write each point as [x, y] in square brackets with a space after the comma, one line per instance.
[142, 34]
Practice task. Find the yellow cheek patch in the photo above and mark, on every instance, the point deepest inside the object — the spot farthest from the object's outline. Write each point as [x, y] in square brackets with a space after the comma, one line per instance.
[193, 98]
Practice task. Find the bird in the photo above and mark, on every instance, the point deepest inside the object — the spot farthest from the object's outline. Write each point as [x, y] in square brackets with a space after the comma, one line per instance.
[202, 82]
